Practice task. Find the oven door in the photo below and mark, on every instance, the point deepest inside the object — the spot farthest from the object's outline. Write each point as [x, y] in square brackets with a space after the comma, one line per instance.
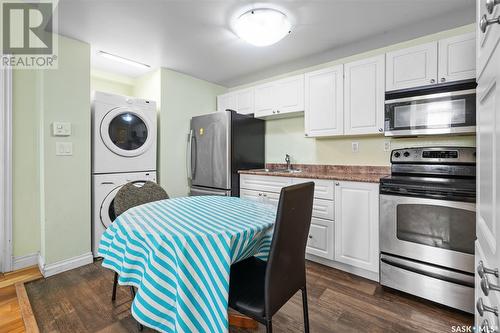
[438, 232]
[441, 113]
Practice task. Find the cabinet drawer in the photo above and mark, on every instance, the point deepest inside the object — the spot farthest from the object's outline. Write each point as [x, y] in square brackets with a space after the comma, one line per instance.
[263, 183]
[323, 188]
[320, 242]
[323, 209]
[261, 196]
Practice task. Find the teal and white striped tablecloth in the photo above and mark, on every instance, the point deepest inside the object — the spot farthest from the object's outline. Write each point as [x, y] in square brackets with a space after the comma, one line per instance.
[178, 253]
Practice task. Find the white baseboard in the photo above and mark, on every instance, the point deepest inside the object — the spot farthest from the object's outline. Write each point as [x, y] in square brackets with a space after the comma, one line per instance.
[24, 261]
[374, 276]
[64, 265]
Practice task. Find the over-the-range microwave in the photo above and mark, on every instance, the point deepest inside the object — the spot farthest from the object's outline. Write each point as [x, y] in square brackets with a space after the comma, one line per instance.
[446, 109]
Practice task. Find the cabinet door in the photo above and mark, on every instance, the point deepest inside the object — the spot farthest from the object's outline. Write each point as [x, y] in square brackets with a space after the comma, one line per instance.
[320, 242]
[412, 67]
[289, 94]
[245, 100]
[324, 102]
[227, 101]
[457, 58]
[265, 100]
[364, 94]
[488, 159]
[356, 224]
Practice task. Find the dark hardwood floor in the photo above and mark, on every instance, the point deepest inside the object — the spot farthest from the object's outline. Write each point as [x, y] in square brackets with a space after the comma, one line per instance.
[79, 301]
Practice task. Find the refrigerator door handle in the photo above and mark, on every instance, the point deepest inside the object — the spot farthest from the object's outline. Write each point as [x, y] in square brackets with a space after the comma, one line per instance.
[189, 150]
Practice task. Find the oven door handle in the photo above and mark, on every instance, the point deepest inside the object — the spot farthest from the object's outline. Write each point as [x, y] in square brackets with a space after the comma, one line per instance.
[433, 271]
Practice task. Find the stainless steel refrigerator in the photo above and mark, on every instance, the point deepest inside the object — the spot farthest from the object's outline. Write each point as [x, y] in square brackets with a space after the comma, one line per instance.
[219, 144]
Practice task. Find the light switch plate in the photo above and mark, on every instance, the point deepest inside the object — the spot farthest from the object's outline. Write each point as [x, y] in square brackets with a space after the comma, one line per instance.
[61, 129]
[64, 148]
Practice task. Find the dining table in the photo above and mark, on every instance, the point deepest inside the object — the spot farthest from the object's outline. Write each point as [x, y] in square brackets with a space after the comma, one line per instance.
[178, 252]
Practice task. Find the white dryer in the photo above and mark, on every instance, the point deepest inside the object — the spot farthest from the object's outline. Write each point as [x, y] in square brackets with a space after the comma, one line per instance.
[123, 134]
[104, 189]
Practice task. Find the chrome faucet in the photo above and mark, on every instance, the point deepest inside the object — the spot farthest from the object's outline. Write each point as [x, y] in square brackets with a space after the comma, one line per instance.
[288, 164]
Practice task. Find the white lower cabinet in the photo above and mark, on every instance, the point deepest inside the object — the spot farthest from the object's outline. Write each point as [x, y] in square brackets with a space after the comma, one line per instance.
[356, 224]
[320, 242]
[344, 224]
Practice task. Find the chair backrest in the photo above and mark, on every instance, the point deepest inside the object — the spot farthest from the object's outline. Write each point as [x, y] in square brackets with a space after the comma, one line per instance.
[133, 194]
[286, 272]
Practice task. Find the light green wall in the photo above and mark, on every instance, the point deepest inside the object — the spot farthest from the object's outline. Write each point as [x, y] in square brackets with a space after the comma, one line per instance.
[26, 183]
[52, 193]
[183, 97]
[111, 83]
[66, 179]
[287, 135]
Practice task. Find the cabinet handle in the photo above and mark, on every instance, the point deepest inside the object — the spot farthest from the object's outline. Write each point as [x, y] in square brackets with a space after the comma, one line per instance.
[490, 5]
[337, 183]
[265, 195]
[307, 134]
[433, 81]
[310, 236]
[481, 308]
[380, 129]
[485, 22]
[481, 270]
[486, 286]
[274, 112]
[277, 111]
[260, 194]
[486, 328]
[443, 79]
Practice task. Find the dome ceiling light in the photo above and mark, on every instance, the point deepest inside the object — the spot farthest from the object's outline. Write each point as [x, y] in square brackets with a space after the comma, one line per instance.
[262, 27]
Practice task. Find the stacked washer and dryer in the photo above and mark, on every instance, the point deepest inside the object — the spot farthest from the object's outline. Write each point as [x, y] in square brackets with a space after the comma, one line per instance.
[123, 151]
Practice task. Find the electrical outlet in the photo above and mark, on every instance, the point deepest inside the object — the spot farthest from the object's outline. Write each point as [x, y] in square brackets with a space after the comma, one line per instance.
[355, 147]
[387, 145]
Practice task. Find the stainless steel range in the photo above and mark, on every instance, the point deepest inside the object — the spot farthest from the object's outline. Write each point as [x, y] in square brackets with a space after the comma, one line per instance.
[428, 223]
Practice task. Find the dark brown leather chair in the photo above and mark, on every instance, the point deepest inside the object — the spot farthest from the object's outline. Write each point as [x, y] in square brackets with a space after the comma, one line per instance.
[259, 289]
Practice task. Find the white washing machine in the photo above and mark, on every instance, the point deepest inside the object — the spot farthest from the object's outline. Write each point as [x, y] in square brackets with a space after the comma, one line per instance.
[123, 134]
[104, 189]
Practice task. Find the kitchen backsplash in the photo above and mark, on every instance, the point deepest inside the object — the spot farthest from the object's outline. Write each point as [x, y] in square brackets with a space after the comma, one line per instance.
[286, 136]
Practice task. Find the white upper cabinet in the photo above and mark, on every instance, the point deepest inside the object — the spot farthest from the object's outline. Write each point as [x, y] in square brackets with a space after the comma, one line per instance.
[412, 67]
[324, 102]
[280, 97]
[265, 100]
[245, 101]
[364, 92]
[356, 224]
[241, 101]
[227, 101]
[457, 58]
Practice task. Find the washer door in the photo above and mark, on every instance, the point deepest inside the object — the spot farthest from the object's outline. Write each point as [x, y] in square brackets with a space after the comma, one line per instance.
[126, 132]
[107, 213]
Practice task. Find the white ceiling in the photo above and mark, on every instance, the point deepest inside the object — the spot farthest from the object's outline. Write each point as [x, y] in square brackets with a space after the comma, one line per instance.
[194, 36]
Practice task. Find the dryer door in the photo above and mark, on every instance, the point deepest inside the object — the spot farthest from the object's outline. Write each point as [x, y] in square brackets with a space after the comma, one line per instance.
[107, 213]
[126, 132]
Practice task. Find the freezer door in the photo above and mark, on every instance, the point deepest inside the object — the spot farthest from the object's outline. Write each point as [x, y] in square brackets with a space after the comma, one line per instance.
[210, 150]
[195, 191]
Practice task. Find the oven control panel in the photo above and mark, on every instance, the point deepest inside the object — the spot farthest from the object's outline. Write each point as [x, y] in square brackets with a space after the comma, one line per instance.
[435, 155]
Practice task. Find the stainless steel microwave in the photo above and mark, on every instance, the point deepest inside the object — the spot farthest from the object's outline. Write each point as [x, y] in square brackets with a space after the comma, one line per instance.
[448, 112]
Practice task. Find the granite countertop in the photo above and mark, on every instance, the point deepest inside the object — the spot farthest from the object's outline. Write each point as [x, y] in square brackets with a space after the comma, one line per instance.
[370, 174]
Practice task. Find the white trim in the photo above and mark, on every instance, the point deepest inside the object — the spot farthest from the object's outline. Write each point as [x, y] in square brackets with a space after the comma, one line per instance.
[6, 175]
[344, 267]
[25, 261]
[64, 265]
